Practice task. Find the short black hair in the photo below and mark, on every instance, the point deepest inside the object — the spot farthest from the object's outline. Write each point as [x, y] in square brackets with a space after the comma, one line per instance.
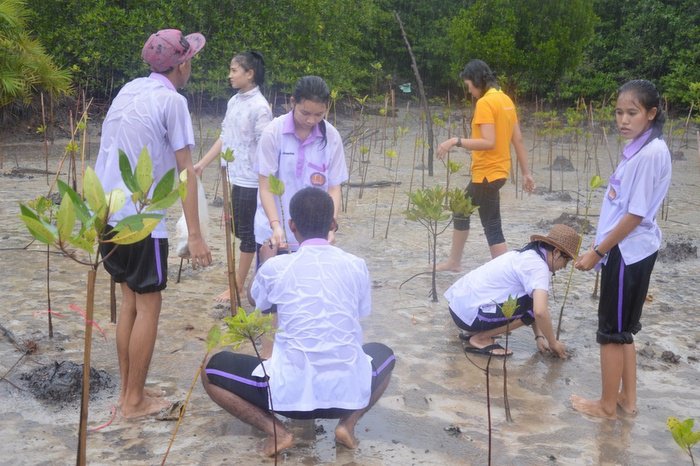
[311, 209]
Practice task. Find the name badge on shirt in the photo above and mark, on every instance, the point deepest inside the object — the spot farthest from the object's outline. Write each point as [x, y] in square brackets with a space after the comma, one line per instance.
[317, 179]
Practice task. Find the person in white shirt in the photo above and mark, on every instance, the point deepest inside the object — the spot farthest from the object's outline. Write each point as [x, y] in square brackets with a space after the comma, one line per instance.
[149, 113]
[626, 245]
[476, 299]
[247, 114]
[317, 366]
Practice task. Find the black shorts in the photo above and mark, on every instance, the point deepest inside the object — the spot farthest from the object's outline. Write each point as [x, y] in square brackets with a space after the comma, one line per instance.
[489, 321]
[232, 372]
[486, 196]
[623, 290]
[143, 265]
[245, 203]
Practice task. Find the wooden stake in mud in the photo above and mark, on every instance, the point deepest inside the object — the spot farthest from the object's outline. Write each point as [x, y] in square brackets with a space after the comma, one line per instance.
[85, 394]
[230, 256]
[568, 285]
[112, 300]
[423, 98]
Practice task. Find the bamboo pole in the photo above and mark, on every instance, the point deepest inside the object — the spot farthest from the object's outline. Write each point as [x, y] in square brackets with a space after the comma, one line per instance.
[85, 394]
[230, 256]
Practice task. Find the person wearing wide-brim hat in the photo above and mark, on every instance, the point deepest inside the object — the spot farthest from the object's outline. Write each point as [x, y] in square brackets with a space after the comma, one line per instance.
[476, 299]
[148, 113]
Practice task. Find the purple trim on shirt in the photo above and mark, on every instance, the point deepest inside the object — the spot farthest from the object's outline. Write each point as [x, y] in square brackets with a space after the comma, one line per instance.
[159, 267]
[236, 378]
[383, 366]
[315, 242]
[164, 80]
[633, 147]
[620, 289]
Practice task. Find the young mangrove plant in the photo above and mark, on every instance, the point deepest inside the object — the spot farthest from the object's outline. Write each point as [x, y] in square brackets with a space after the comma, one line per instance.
[683, 434]
[277, 188]
[508, 308]
[427, 207]
[227, 155]
[91, 213]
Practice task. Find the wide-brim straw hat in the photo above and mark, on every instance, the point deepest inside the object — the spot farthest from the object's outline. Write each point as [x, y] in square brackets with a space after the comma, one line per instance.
[562, 237]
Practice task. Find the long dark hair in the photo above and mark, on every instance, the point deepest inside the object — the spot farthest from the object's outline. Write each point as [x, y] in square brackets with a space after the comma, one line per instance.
[479, 73]
[252, 60]
[648, 97]
[314, 88]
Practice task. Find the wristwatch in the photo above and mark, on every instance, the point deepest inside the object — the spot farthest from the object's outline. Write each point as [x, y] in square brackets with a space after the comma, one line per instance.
[459, 142]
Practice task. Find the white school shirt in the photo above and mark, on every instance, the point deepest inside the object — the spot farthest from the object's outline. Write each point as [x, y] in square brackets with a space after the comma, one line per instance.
[638, 186]
[317, 361]
[299, 165]
[147, 112]
[247, 114]
[511, 274]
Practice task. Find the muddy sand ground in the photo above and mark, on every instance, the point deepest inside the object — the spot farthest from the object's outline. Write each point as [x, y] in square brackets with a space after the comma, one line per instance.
[434, 411]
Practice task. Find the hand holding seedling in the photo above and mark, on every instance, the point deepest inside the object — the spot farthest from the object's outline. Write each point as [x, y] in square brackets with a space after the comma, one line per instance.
[587, 260]
[445, 147]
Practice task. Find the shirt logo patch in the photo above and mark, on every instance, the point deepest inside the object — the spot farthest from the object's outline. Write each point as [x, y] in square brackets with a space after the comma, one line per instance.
[317, 179]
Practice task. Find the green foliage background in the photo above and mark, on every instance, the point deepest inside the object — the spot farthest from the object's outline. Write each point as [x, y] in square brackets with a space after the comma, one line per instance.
[556, 49]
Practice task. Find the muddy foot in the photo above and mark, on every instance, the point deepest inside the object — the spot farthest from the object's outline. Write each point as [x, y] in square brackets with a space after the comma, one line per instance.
[148, 407]
[590, 407]
[346, 437]
[448, 267]
[284, 440]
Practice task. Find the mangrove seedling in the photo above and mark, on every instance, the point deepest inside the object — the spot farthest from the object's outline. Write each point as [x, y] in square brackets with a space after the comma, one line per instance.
[227, 156]
[277, 188]
[508, 308]
[92, 212]
[428, 208]
[683, 434]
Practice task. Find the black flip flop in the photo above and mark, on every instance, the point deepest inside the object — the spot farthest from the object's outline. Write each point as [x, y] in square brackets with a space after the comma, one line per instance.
[486, 350]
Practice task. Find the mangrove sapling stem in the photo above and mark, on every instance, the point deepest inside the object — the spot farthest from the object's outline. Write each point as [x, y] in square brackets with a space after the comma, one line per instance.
[506, 403]
[48, 289]
[488, 404]
[230, 257]
[181, 414]
[85, 393]
[566, 291]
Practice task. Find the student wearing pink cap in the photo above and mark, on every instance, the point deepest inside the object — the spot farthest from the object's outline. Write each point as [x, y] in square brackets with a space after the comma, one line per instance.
[149, 113]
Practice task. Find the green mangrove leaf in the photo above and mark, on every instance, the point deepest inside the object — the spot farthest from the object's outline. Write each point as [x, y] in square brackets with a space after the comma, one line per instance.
[276, 185]
[84, 241]
[213, 338]
[246, 327]
[144, 172]
[391, 153]
[453, 167]
[510, 306]
[127, 175]
[42, 231]
[166, 202]
[682, 432]
[460, 203]
[134, 228]
[65, 219]
[596, 182]
[95, 195]
[165, 186]
[116, 200]
[227, 155]
[81, 209]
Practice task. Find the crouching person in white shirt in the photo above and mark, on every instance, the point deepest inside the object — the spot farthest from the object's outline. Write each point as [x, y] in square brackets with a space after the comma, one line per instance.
[318, 366]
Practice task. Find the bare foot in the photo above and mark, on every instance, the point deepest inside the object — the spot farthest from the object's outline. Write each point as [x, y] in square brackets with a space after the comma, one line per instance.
[147, 407]
[630, 409]
[153, 392]
[345, 437]
[448, 266]
[224, 297]
[590, 407]
[285, 440]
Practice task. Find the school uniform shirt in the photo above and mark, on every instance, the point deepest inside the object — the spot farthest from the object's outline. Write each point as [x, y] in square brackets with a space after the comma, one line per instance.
[299, 165]
[147, 112]
[317, 361]
[513, 274]
[247, 114]
[497, 109]
[638, 186]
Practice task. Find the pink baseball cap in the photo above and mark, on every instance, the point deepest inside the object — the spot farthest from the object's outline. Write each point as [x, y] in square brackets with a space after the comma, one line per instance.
[168, 48]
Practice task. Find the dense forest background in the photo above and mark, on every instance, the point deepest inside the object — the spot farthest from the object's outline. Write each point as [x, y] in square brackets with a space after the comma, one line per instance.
[551, 50]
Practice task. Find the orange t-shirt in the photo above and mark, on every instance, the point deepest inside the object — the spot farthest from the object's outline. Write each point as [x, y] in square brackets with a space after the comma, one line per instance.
[495, 108]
